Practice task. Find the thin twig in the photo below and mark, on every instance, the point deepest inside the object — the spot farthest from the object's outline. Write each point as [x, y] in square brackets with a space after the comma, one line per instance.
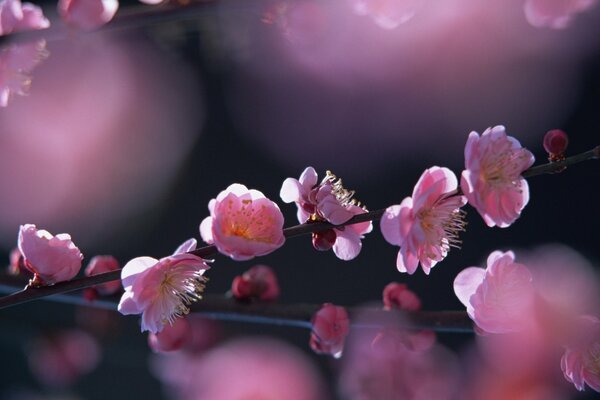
[33, 293]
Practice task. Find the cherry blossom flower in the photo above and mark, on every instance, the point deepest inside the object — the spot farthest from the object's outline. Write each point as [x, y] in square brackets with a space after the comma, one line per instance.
[258, 282]
[492, 180]
[87, 14]
[99, 265]
[246, 368]
[16, 17]
[427, 224]
[555, 14]
[172, 337]
[243, 223]
[51, 258]
[387, 14]
[60, 359]
[17, 61]
[329, 202]
[331, 325]
[500, 298]
[162, 290]
[581, 361]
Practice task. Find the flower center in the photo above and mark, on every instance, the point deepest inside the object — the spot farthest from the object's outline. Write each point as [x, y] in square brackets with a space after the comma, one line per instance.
[178, 290]
[442, 224]
[342, 195]
[503, 165]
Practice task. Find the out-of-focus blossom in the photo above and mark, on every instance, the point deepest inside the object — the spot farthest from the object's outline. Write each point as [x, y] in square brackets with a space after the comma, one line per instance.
[162, 290]
[52, 258]
[388, 14]
[492, 180]
[17, 61]
[398, 296]
[153, 2]
[258, 282]
[427, 224]
[327, 201]
[555, 14]
[555, 143]
[243, 223]
[172, 337]
[330, 326]
[500, 298]
[581, 362]
[99, 265]
[241, 369]
[16, 17]
[60, 359]
[376, 366]
[87, 14]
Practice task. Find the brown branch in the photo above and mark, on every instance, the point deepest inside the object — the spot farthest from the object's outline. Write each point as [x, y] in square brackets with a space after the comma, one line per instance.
[31, 293]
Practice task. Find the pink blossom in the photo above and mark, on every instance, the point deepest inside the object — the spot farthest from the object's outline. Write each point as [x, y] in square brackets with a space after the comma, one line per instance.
[52, 258]
[99, 265]
[247, 368]
[387, 14]
[330, 202]
[16, 17]
[555, 14]
[399, 296]
[492, 179]
[243, 223]
[87, 14]
[331, 325]
[427, 224]
[172, 337]
[258, 282]
[162, 290]
[60, 359]
[500, 298]
[17, 61]
[581, 361]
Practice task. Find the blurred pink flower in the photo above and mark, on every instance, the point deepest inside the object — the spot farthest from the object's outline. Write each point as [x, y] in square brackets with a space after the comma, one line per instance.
[241, 369]
[387, 14]
[399, 296]
[330, 326]
[60, 359]
[427, 224]
[258, 282]
[162, 290]
[52, 258]
[581, 362]
[17, 61]
[556, 14]
[500, 298]
[243, 223]
[492, 179]
[15, 17]
[172, 337]
[327, 201]
[99, 265]
[378, 366]
[87, 14]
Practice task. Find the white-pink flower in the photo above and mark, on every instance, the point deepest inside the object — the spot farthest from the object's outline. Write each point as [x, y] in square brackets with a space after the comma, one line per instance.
[581, 361]
[16, 17]
[556, 14]
[327, 201]
[162, 290]
[427, 224]
[243, 223]
[492, 180]
[52, 258]
[87, 14]
[500, 298]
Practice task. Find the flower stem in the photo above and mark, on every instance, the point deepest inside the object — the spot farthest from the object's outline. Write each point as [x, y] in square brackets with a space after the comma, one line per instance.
[33, 293]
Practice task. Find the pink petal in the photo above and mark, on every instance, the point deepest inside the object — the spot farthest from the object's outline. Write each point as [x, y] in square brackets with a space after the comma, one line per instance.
[127, 305]
[308, 178]
[390, 225]
[132, 270]
[206, 230]
[87, 14]
[407, 261]
[188, 245]
[465, 285]
[291, 191]
[347, 244]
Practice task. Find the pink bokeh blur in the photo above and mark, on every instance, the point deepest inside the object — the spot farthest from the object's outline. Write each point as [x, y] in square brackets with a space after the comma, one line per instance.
[107, 123]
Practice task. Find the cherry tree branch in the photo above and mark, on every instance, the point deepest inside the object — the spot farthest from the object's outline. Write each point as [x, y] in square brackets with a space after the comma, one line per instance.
[33, 293]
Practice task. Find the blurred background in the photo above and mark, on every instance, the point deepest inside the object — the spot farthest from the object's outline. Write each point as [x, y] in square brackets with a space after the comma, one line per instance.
[126, 133]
